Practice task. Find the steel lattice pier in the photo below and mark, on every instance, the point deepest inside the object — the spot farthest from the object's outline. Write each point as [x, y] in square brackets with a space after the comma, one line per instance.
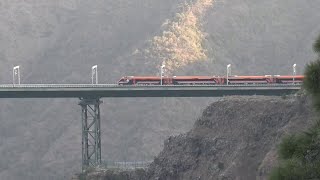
[91, 134]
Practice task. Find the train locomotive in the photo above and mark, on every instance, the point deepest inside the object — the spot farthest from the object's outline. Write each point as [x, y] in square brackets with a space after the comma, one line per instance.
[210, 80]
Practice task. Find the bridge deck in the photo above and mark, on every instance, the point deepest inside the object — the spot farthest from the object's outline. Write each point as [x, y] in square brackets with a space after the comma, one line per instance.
[113, 90]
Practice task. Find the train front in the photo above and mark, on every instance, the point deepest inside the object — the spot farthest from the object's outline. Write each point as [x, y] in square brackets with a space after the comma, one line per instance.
[126, 80]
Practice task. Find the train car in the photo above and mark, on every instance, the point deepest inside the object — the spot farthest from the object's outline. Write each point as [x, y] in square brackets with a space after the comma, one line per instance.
[144, 80]
[210, 80]
[267, 79]
[175, 80]
[288, 79]
[248, 80]
[196, 80]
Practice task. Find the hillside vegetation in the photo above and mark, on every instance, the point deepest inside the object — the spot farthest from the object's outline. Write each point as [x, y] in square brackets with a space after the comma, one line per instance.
[58, 42]
[181, 42]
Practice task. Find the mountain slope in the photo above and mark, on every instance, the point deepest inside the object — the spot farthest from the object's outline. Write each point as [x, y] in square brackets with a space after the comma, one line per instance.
[235, 138]
[59, 41]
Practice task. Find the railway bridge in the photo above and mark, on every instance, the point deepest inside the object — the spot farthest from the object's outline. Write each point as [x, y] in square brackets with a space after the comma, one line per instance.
[90, 96]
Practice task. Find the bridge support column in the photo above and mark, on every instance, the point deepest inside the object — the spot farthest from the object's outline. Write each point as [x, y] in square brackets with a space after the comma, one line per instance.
[91, 134]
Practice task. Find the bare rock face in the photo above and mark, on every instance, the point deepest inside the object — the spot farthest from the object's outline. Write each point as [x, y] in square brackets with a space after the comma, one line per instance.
[235, 138]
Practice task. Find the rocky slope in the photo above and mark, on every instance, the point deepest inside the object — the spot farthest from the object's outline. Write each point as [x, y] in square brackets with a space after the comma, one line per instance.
[235, 138]
[58, 42]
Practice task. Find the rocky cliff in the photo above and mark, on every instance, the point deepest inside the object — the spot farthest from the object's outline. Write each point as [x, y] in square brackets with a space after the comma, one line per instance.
[234, 138]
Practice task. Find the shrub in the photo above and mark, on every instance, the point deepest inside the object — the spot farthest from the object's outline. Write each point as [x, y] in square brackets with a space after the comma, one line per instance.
[289, 170]
[287, 147]
[312, 78]
[299, 156]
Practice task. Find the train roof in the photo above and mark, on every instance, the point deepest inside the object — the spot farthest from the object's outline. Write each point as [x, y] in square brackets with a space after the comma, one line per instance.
[210, 77]
[141, 77]
[194, 77]
[175, 77]
[297, 76]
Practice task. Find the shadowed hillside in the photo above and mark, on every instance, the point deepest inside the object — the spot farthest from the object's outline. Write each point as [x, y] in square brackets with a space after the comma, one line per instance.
[59, 41]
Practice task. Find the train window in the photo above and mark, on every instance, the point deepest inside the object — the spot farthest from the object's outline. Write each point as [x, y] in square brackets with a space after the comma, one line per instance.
[124, 80]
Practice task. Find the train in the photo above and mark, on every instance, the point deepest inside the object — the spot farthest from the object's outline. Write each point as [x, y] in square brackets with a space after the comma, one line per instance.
[211, 80]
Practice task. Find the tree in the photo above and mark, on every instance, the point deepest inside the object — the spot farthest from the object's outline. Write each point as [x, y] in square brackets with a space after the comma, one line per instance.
[300, 153]
[316, 46]
[312, 76]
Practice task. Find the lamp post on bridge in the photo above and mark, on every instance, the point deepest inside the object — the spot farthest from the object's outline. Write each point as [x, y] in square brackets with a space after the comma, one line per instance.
[228, 72]
[94, 74]
[16, 74]
[161, 72]
[294, 72]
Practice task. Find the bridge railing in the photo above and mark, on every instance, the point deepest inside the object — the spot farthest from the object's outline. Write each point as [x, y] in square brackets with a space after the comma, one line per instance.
[123, 165]
[131, 86]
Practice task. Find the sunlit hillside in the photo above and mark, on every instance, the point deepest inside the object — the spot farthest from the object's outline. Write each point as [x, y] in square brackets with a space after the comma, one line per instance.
[181, 42]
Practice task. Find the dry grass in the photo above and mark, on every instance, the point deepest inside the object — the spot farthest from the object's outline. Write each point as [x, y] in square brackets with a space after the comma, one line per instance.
[181, 42]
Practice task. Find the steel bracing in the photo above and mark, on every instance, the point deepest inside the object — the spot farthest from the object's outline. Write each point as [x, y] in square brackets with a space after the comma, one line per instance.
[91, 132]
